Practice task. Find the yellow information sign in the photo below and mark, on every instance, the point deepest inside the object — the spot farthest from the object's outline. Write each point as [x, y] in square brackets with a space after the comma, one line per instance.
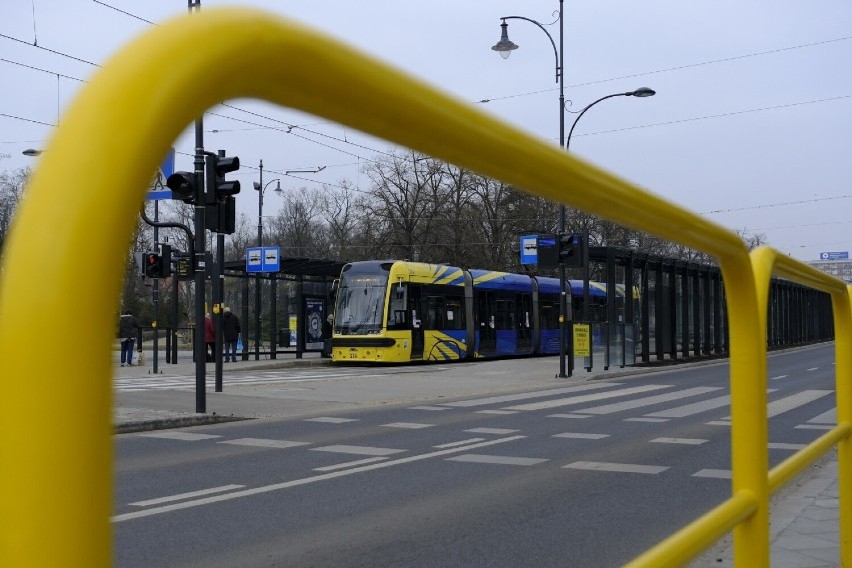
[582, 340]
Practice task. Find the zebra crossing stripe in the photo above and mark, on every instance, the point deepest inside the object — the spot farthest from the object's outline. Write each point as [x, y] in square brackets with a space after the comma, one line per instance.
[617, 467]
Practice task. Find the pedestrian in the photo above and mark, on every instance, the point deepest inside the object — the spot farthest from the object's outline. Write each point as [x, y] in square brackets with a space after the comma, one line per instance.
[231, 330]
[209, 338]
[327, 330]
[127, 331]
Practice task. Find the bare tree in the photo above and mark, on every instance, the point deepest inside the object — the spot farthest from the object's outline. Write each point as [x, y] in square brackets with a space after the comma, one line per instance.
[12, 186]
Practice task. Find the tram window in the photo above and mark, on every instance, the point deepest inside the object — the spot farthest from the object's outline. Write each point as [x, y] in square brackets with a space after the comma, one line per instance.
[549, 312]
[397, 309]
[505, 313]
[444, 312]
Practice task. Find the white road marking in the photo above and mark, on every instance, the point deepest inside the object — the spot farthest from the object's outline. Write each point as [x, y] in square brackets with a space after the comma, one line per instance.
[778, 378]
[331, 420]
[719, 423]
[813, 427]
[527, 395]
[459, 443]
[304, 481]
[687, 441]
[498, 431]
[569, 416]
[262, 443]
[785, 404]
[646, 401]
[714, 473]
[586, 398]
[361, 450]
[617, 467]
[349, 464]
[812, 369]
[694, 408]
[782, 446]
[828, 417]
[496, 412]
[407, 425]
[182, 496]
[645, 420]
[581, 435]
[178, 435]
[788, 403]
[500, 460]
[428, 408]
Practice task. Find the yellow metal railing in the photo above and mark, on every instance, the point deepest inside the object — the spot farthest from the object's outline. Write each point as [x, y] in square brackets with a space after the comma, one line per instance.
[55, 432]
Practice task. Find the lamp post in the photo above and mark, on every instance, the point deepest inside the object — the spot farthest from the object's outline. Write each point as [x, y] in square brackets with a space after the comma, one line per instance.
[505, 47]
[260, 189]
[641, 92]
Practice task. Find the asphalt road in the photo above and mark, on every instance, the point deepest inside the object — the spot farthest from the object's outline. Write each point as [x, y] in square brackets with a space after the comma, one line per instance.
[586, 474]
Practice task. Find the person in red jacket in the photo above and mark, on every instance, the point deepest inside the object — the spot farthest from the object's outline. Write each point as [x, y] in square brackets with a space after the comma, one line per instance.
[210, 338]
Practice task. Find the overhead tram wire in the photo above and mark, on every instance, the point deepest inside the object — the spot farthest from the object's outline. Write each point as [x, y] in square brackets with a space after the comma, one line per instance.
[779, 204]
[290, 127]
[676, 68]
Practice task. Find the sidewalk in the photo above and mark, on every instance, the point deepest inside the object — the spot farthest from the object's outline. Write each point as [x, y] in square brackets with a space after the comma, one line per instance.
[804, 519]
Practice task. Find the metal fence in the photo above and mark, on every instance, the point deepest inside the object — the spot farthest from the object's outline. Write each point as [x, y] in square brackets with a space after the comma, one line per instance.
[229, 53]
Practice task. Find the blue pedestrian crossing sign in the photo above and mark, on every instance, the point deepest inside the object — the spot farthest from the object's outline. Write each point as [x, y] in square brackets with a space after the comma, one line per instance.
[167, 168]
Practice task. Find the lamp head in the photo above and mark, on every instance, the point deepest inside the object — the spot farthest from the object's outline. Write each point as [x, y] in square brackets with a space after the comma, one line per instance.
[31, 152]
[643, 92]
[256, 186]
[278, 187]
[505, 46]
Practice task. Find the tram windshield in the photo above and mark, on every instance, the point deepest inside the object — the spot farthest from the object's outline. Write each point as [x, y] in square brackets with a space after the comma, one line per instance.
[360, 300]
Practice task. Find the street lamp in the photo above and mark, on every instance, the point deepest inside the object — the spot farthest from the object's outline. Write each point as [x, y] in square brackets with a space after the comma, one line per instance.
[260, 189]
[641, 92]
[505, 47]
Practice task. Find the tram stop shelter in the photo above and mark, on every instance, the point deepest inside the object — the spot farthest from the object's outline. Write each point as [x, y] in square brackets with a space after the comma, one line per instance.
[287, 307]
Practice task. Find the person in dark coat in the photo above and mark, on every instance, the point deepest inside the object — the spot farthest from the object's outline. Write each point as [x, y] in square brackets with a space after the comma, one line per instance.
[231, 330]
[210, 338]
[127, 331]
[327, 331]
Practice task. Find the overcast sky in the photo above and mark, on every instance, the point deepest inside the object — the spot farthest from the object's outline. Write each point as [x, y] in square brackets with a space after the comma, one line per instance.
[750, 125]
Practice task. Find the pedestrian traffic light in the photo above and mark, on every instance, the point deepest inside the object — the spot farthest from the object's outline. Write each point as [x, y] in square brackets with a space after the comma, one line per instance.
[571, 249]
[158, 265]
[151, 264]
[183, 186]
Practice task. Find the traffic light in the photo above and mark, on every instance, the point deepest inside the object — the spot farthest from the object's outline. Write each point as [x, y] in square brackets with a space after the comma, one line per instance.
[571, 249]
[165, 261]
[183, 186]
[158, 265]
[151, 264]
[218, 188]
[221, 212]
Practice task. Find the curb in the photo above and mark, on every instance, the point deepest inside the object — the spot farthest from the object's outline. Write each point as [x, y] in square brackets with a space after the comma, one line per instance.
[182, 422]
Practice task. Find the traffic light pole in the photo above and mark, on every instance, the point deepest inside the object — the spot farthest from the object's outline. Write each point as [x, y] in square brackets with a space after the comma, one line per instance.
[200, 269]
[155, 293]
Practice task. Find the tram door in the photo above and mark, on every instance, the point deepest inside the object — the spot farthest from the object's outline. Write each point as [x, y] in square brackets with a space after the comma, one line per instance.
[485, 319]
[416, 309]
[523, 321]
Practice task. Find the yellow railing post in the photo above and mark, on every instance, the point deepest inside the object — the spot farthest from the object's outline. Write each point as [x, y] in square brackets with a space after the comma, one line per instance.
[843, 380]
[766, 262]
